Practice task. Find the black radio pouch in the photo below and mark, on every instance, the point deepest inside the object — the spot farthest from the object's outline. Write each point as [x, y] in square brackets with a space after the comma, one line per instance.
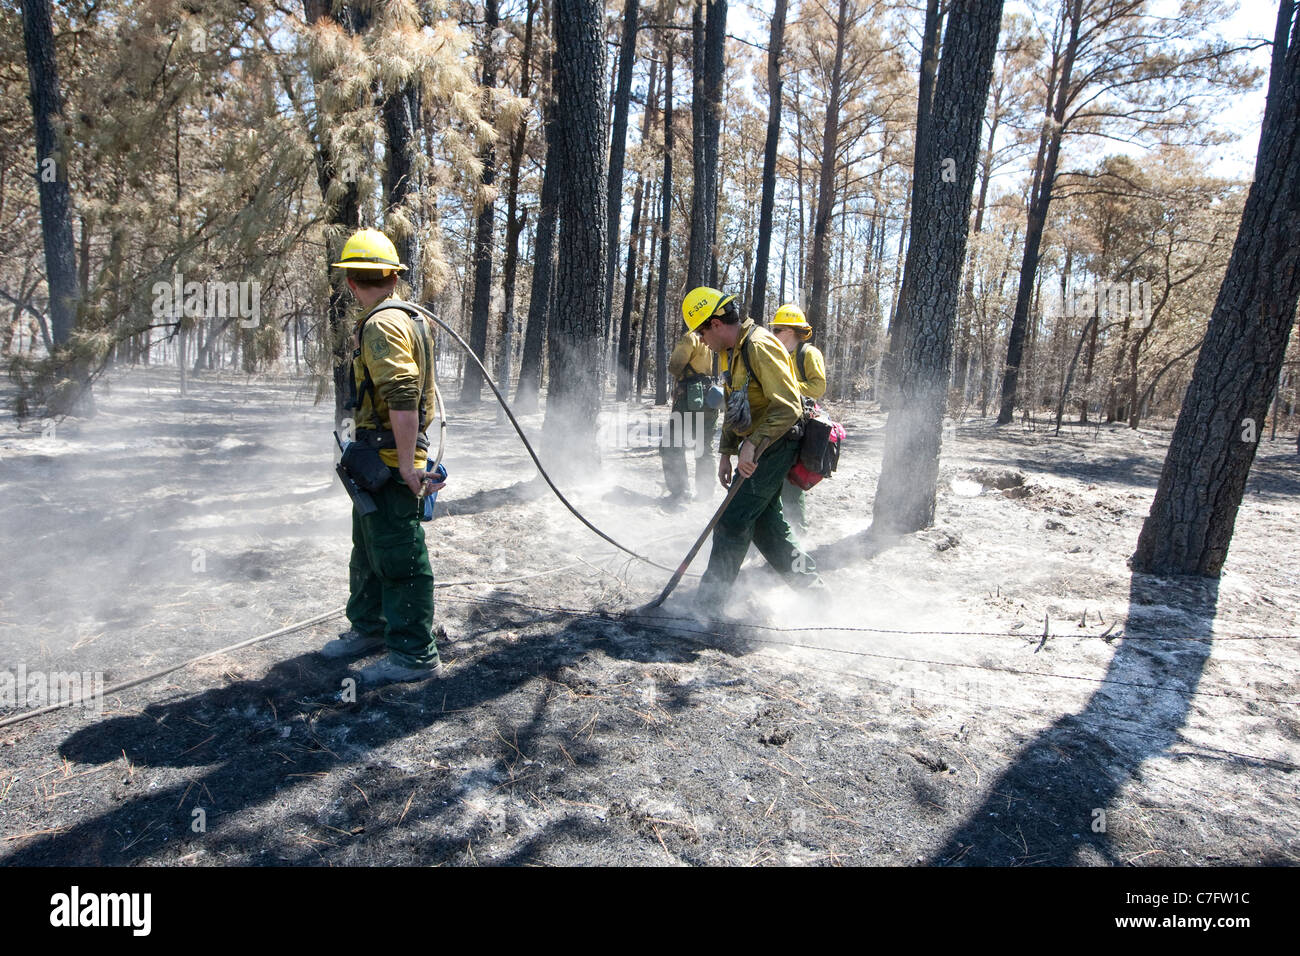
[365, 466]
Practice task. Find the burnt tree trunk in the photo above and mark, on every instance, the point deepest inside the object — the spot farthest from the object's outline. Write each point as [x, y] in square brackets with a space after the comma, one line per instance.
[665, 234]
[624, 375]
[757, 302]
[706, 124]
[617, 152]
[1040, 200]
[642, 363]
[575, 345]
[344, 215]
[402, 179]
[542, 289]
[472, 387]
[930, 40]
[51, 168]
[1087, 374]
[967, 309]
[1214, 442]
[819, 259]
[905, 494]
[515, 219]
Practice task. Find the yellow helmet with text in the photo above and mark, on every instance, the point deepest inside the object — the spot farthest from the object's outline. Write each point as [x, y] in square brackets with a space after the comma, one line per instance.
[370, 249]
[791, 314]
[701, 304]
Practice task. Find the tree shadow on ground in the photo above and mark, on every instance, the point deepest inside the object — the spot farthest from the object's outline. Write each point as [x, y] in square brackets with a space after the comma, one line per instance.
[257, 739]
[620, 495]
[490, 499]
[1052, 801]
[853, 549]
[1275, 477]
[1128, 470]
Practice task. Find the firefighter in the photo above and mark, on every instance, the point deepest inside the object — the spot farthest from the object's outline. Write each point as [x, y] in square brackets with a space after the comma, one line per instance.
[762, 407]
[390, 604]
[791, 326]
[692, 422]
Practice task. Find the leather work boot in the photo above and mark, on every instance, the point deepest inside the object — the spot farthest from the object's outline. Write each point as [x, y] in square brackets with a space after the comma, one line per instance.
[352, 643]
[392, 671]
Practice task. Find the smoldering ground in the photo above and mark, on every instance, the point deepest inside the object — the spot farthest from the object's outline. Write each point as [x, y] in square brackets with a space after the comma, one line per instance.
[973, 694]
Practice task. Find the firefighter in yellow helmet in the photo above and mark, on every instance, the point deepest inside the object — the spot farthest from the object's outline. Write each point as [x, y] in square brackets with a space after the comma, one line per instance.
[791, 326]
[390, 602]
[762, 406]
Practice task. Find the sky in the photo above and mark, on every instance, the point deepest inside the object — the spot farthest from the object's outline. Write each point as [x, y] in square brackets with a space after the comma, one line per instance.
[1243, 114]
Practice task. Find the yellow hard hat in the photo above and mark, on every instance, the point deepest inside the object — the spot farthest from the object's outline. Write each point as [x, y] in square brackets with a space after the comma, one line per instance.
[701, 304]
[370, 249]
[790, 314]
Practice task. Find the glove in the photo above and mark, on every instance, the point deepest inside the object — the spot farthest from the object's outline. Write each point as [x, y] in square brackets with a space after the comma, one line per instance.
[738, 417]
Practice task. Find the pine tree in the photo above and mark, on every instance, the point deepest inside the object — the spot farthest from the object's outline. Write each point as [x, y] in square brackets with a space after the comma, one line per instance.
[576, 342]
[1214, 442]
[757, 302]
[945, 168]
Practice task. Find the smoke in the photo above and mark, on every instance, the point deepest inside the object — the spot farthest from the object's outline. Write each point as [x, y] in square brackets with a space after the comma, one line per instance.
[165, 526]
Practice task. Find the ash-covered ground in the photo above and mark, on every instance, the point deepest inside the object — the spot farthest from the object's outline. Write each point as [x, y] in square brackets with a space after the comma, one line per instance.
[998, 690]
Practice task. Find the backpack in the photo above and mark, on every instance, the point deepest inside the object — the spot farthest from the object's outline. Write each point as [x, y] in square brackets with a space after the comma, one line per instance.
[819, 449]
[357, 391]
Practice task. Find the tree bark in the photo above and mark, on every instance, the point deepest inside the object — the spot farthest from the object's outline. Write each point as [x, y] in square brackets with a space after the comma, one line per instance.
[1089, 328]
[46, 98]
[1041, 198]
[706, 123]
[401, 177]
[624, 377]
[930, 40]
[617, 152]
[1087, 375]
[757, 304]
[642, 363]
[665, 234]
[1214, 442]
[472, 386]
[967, 309]
[906, 492]
[345, 216]
[515, 220]
[576, 345]
[540, 294]
[819, 259]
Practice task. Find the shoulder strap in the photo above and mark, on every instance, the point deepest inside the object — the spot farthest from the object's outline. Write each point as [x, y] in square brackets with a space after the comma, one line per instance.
[798, 357]
[749, 365]
[411, 310]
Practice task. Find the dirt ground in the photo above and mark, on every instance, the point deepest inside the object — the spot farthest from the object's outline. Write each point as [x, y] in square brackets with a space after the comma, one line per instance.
[997, 690]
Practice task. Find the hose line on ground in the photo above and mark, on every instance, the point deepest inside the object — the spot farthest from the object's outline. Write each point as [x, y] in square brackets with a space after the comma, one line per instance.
[278, 632]
[524, 438]
[442, 417]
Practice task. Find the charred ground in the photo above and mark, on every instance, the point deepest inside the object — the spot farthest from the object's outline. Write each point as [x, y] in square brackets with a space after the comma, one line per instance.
[997, 690]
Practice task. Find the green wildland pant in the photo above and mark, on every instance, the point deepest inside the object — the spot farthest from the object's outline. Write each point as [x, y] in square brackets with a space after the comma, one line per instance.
[391, 581]
[683, 426]
[795, 508]
[755, 515]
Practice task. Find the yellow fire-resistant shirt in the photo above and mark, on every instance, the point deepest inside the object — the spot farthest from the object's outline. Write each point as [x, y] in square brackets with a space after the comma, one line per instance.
[774, 400]
[814, 364]
[401, 366]
[691, 354]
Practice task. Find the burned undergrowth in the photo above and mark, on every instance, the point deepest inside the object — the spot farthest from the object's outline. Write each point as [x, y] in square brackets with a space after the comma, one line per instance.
[998, 690]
